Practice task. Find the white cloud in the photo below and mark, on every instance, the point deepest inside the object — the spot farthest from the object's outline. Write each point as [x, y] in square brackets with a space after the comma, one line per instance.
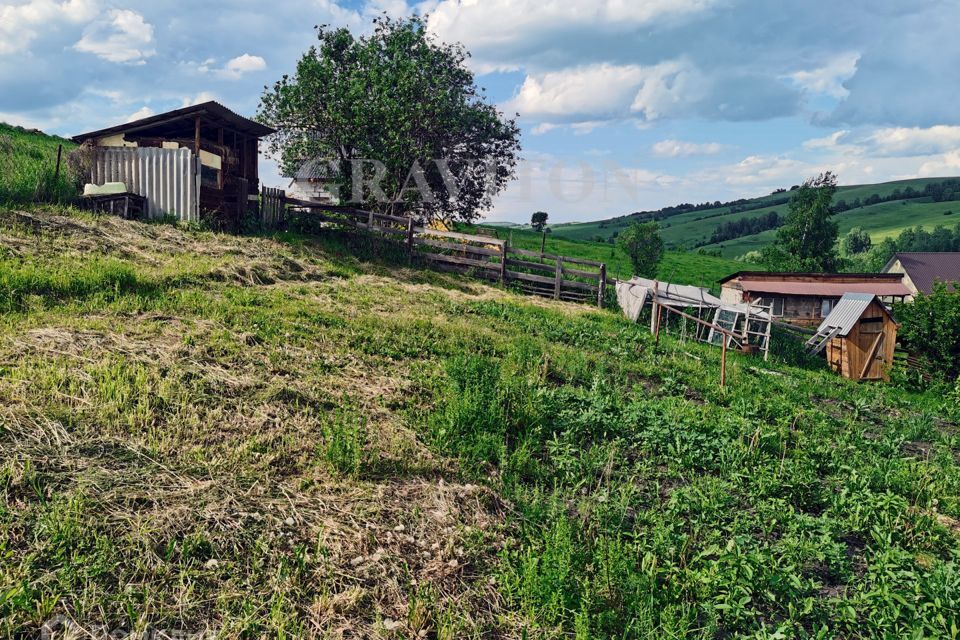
[915, 141]
[587, 96]
[831, 141]
[679, 148]
[143, 112]
[20, 24]
[829, 79]
[492, 29]
[200, 98]
[121, 36]
[240, 65]
[946, 165]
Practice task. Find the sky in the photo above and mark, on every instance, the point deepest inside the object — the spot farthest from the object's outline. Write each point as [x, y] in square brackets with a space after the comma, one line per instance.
[624, 105]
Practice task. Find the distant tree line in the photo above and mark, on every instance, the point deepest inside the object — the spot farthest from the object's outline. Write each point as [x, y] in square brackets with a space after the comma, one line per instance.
[942, 191]
[940, 238]
[745, 227]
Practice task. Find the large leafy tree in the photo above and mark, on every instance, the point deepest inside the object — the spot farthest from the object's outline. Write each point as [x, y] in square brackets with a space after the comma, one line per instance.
[807, 241]
[539, 220]
[643, 245]
[397, 108]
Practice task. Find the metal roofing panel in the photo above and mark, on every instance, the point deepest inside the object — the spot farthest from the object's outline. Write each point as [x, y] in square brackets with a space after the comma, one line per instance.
[825, 289]
[847, 312]
[926, 267]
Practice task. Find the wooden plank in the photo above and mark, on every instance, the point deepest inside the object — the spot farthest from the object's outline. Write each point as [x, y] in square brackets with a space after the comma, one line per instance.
[459, 236]
[871, 356]
[398, 219]
[551, 282]
[523, 264]
[529, 277]
[531, 254]
[580, 274]
[456, 246]
[480, 264]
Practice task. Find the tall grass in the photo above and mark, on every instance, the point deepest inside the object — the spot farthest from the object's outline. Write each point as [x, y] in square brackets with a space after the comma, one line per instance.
[28, 168]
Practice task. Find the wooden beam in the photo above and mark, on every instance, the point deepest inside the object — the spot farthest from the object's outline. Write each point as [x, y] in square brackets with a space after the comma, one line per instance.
[196, 135]
[870, 356]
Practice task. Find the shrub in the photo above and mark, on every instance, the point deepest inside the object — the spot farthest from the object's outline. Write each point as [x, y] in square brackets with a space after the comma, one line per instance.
[931, 330]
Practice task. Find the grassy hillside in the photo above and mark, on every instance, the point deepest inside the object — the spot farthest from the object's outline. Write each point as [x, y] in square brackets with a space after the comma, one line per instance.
[682, 267]
[694, 228]
[28, 161]
[293, 437]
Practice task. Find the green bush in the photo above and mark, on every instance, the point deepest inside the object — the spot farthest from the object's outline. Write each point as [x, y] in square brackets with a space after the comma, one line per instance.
[930, 329]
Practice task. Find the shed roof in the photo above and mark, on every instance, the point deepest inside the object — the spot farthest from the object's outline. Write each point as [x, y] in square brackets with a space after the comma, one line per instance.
[926, 267]
[213, 112]
[803, 276]
[825, 289]
[848, 312]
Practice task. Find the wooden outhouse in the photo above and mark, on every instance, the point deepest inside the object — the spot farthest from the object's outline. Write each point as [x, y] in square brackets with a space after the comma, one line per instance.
[859, 337]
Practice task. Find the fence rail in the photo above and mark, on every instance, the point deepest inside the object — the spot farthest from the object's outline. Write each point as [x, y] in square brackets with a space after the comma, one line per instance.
[480, 256]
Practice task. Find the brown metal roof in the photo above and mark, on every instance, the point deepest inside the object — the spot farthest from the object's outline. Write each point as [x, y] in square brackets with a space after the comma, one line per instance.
[925, 268]
[212, 112]
[791, 276]
[824, 289]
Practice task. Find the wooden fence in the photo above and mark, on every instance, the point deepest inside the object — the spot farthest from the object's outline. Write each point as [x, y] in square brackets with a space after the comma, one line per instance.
[272, 207]
[484, 257]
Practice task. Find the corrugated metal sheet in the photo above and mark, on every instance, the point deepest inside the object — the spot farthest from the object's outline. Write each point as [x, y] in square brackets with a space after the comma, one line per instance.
[168, 178]
[847, 312]
[827, 289]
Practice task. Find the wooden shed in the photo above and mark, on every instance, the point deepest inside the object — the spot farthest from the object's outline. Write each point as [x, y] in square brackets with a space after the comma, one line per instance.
[201, 159]
[859, 337]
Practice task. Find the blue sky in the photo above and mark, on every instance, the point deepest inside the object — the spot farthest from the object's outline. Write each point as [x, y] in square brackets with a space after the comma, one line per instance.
[625, 104]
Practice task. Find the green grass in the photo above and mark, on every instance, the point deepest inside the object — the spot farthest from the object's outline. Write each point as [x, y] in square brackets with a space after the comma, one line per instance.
[683, 267]
[292, 436]
[28, 162]
[694, 228]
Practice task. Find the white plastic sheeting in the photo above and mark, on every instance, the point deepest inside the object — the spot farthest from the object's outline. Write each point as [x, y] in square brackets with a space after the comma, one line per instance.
[168, 178]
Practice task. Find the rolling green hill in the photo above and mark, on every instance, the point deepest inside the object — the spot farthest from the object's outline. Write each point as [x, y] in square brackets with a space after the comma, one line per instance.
[28, 162]
[694, 228]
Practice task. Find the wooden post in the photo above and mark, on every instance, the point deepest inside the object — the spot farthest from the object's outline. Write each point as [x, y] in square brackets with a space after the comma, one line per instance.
[370, 221]
[543, 242]
[559, 278]
[196, 135]
[657, 331]
[654, 308]
[56, 173]
[601, 295]
[503, 264]
[723, 361]
[410, 238]
[223, 160]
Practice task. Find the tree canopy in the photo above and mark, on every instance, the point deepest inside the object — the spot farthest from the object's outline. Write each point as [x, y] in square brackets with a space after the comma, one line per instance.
[394, 122]
[807, 241]
[857, 241]
[642, 243]
[539, 220]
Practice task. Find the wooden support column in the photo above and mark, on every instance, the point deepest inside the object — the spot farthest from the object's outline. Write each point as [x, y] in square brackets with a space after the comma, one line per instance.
[503, 263]
[723, 363]
[223, 160]
[559, 278]
[196, 135]
[410, 238]
[654, 308]
[601, 295]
